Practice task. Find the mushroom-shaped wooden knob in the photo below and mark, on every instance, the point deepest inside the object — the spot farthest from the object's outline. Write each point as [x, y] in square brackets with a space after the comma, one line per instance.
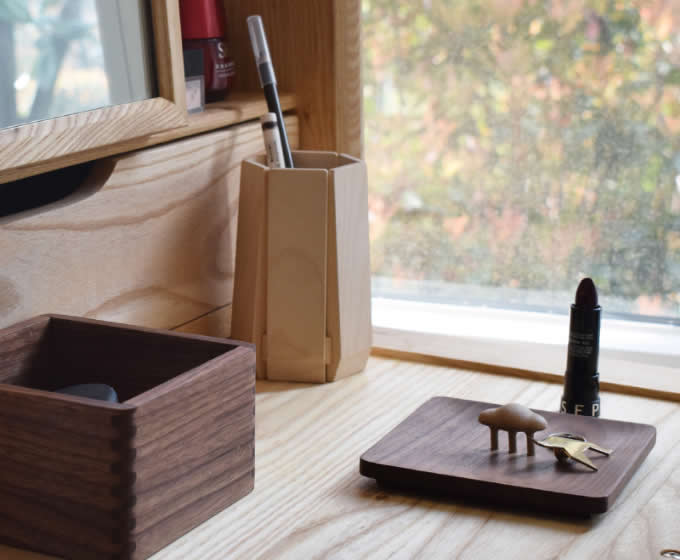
[513, 418]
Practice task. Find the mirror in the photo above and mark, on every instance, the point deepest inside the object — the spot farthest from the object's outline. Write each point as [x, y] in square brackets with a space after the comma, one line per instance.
[59, 57]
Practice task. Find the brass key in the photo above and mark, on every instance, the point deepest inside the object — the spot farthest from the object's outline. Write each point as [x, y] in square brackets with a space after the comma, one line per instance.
[570, 446]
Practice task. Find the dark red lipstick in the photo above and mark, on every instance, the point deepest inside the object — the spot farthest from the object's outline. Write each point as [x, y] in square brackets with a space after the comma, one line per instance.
[581, 378]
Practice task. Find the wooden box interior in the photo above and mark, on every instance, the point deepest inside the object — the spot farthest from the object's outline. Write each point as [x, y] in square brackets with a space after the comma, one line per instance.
[53, 352]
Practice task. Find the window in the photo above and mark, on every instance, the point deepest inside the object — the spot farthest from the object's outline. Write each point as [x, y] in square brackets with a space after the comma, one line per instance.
[514, 146]
[61, 57]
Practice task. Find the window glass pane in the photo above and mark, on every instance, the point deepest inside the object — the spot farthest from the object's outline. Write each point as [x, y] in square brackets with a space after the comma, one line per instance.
[59, 57]
[516, 146]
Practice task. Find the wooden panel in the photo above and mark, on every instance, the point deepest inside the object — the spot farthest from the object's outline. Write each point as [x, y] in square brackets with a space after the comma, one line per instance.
[20, 350]
[168, 50]
[301, 41]
[216, 501]
[153, 246]
[316, 51]
[27, 406]
[56, 453]
[315, 159]
[349, 269]
[348, 84]
[250, 285]
[194, 448]
[181, 491]
[297, 221]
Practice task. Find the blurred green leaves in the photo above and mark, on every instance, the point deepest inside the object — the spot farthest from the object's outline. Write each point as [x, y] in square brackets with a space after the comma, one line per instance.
[540, 138]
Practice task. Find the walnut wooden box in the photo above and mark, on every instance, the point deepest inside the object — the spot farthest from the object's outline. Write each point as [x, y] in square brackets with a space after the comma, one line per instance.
[302, 286]
[81, 478]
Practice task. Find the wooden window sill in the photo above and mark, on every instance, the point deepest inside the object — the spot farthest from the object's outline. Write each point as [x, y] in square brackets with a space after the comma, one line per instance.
[239, 107]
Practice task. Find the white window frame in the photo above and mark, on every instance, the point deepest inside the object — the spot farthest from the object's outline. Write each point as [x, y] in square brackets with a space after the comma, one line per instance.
[635, 357]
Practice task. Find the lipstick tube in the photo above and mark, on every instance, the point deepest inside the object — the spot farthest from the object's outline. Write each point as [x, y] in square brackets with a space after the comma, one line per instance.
[581, 379]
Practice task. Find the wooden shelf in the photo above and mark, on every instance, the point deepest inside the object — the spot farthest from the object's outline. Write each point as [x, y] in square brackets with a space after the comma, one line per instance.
[237, 108]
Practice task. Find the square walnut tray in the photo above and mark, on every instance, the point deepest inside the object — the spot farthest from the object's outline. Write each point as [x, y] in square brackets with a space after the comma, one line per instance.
[81, 478]
[442, 449]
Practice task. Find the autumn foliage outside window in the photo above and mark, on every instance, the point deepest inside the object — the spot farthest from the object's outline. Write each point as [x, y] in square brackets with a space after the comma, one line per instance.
[514, 146]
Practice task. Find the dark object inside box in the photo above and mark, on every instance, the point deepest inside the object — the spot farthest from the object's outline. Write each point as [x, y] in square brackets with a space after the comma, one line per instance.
[97, 391]
[85, 478]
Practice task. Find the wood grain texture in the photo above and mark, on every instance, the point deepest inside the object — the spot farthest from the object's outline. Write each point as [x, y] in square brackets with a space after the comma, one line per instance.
[442, 449]
[311, 502]
[153, 243]
[348, 83]
[167, 33]
[20, 349]
[38, 425]
[512, 358]
[301, 38]
[238, 108]
[349, 269]
[297, 252]
[54, 143]
[83, 478]
[194, 449]
[250, 282]
[215, 323]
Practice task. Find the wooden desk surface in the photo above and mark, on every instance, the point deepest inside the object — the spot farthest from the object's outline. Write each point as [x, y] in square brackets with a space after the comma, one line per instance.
[310, 501]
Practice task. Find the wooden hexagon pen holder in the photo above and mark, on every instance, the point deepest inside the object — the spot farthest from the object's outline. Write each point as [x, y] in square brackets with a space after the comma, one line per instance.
[81, 478]
[302, 288]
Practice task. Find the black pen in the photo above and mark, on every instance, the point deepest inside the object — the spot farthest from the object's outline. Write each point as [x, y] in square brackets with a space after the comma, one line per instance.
[268, 80]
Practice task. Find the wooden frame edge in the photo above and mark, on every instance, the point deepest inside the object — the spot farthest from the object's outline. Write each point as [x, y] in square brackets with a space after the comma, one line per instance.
[51, 144]
[348, 83]
[168, 51]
